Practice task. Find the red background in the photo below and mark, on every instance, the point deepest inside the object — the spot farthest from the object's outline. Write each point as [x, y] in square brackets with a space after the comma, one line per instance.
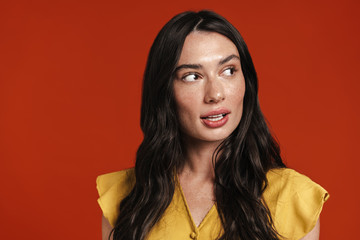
[70, 88]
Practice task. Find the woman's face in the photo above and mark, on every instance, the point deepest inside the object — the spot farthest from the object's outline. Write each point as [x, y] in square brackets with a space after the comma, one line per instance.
[209, 87]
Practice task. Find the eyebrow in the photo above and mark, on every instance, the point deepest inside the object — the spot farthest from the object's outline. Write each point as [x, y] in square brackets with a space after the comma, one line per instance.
[227, 59]
[199, 66]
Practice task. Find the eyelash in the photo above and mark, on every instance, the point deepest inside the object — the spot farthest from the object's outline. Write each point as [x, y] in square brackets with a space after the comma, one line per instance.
[190, 74]
[232, 69]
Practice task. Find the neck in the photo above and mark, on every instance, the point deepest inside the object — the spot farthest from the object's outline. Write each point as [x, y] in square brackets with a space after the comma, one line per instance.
[198, 159]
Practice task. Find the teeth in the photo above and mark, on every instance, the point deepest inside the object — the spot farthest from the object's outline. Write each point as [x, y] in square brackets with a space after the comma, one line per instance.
[215, 118]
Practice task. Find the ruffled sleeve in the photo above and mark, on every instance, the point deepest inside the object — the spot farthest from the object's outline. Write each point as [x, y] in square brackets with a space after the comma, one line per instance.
[112, 188]
[295, 202]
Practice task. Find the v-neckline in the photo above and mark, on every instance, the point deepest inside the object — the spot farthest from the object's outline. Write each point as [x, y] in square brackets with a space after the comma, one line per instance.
[208, 214]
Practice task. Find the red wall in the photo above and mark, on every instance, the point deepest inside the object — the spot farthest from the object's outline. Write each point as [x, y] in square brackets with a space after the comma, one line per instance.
[70, 82]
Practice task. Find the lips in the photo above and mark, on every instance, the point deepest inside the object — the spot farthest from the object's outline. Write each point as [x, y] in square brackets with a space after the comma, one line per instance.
[215, 119]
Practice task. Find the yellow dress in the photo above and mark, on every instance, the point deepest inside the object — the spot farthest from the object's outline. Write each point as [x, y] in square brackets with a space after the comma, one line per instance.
[295, 203]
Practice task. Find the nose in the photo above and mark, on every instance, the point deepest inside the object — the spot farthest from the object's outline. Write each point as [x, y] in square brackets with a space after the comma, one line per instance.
[214, 91]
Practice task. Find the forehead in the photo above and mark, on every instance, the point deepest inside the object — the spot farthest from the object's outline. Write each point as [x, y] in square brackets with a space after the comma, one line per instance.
[202, 46]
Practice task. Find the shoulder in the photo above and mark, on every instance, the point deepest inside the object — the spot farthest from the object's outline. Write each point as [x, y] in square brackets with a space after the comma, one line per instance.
[121, 179]
[285, 183]
[112, 188]
[294, 200]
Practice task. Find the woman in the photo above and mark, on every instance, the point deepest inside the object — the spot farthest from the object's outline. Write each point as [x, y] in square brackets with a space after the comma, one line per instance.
[208, 168]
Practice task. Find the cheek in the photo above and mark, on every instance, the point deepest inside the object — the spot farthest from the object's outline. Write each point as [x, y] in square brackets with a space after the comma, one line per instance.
[236, 100]
[185, 99]
[185, 109]
[184, 105]
[186, 117]
[236, 94]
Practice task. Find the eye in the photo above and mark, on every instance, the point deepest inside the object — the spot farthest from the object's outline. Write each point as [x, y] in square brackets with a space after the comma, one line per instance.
[229, 71]
[190, 77]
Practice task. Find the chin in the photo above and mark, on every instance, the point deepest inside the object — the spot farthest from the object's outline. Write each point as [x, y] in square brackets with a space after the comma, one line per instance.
[216, 138]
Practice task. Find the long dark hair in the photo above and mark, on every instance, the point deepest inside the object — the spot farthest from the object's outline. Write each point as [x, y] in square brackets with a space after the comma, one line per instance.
[241, 161]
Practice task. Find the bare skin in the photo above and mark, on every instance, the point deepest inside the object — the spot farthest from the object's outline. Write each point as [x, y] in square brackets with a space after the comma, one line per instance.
[209, 80]
[197, 182]
[212, 91]
[106, 229]
[312, 235]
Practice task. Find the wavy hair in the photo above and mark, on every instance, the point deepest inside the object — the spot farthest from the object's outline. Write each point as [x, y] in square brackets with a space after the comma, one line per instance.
[241, 161]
